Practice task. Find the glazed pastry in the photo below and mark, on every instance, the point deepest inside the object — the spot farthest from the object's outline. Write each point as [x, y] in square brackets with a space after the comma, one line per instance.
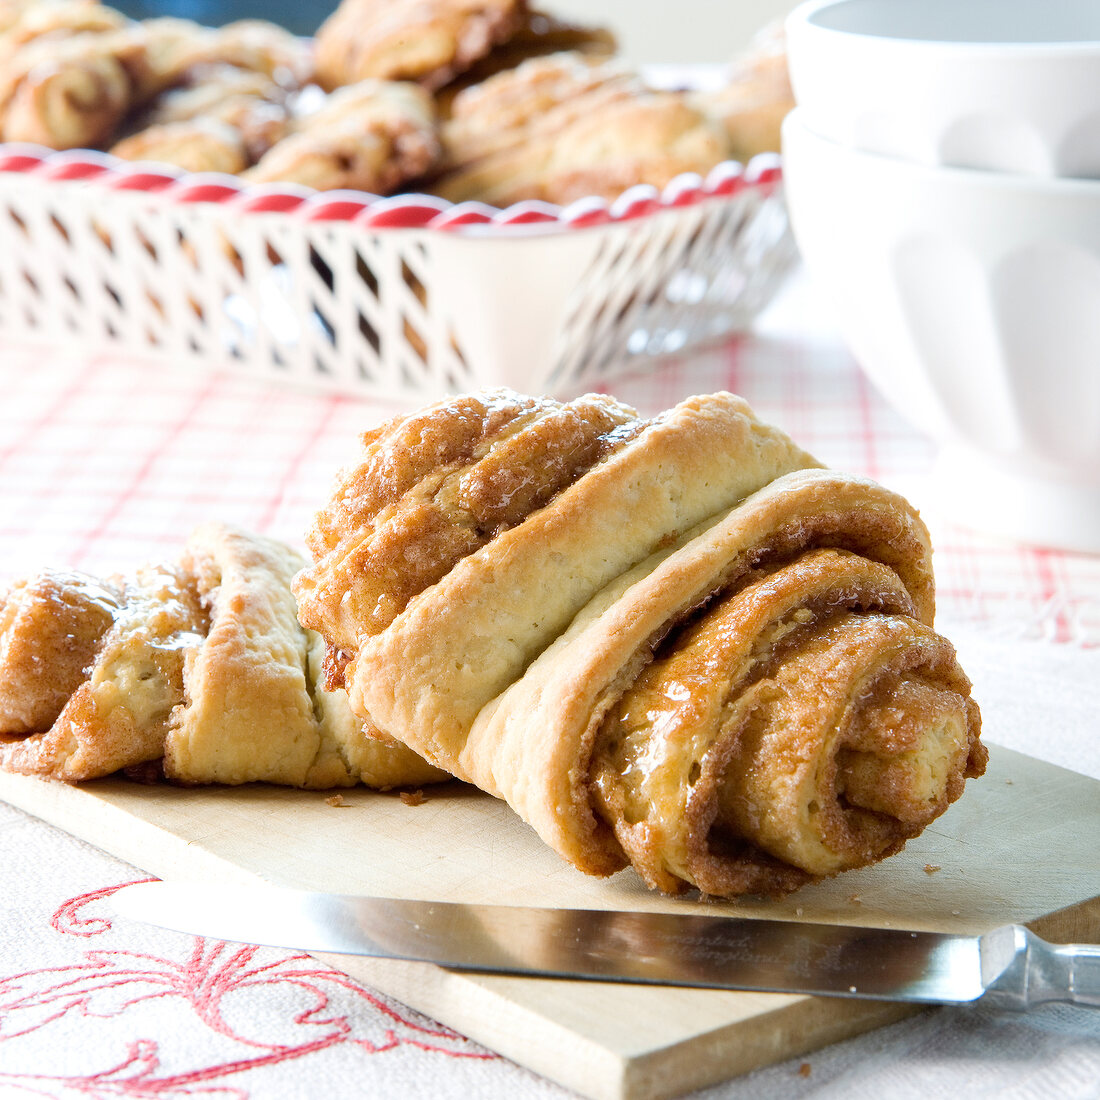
[201, 666]
[54, 620]
[54, 20]
[119, 714]
[372, 136]
[72, 93]
[697, 652]
[252, 104]
[427, 41]
[539, 35]
[531, 103]
[609, 144]
[178, 46]
[201, 145]
[755, 98]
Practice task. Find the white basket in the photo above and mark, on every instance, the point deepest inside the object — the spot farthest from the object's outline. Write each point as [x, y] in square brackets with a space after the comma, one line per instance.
[405, 297]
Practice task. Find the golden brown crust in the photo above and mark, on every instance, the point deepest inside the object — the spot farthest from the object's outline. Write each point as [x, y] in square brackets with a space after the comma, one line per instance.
[372, 136]
[203, 664]
[434, 488]
[50, 626]
[119, 715]
[428, 41]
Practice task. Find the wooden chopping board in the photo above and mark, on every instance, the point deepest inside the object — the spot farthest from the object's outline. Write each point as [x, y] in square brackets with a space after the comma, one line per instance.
[1019, 847]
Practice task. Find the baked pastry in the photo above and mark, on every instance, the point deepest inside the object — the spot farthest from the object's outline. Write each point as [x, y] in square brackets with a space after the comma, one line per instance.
[696, 651]
[428, 41]
[531, 103]
[201, 145]
[176, 47]
[71, 93]
[598, 143]
[538, 35]
[200, 665]
[755, 97]
[53, 20]
[371, 136]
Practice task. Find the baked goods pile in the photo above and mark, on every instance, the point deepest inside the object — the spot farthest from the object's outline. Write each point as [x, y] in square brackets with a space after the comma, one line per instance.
[468, 99]
[197, 670]
[676, 643]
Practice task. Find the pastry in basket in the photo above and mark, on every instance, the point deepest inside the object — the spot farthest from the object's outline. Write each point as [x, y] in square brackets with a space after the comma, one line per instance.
[756, 96]
[178, 46]
[223, 119]
[371, 136]
[533, 102]
[201, 145]
[429, 41]
[72, 93]
[538, 35]
[53, 20]
[201, 664]
[683, 645]
[608, 142]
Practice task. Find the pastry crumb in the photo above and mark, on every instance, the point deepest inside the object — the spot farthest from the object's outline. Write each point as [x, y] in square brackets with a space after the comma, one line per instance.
[798, 912]
[931, 868]
[412, 798]
[805, 1069]
[337, 800]
[855, 899]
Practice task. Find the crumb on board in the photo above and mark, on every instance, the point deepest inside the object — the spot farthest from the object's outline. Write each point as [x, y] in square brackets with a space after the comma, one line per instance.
[805, 1069]
[931, 868]
[337, 800]
[799, 911]
[412, 798]
[855, 899]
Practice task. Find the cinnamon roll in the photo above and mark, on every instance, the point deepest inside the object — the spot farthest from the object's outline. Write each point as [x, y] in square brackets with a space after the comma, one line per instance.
[696, 652]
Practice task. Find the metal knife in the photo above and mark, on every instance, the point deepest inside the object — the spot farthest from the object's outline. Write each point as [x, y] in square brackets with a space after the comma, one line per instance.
[1009, 966]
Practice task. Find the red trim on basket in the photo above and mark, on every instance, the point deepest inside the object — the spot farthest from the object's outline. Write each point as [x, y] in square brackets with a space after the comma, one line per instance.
[414, 211]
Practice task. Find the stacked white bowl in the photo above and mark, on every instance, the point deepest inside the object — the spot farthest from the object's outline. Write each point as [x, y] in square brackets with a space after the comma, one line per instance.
[942, 171]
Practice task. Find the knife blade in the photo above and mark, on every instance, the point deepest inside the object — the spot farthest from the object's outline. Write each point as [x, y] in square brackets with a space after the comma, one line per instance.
[1010, 966]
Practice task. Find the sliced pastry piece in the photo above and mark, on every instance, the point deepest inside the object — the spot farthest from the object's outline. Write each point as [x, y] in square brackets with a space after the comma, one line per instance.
[427, 41]
[50, 627]
[198, 671]
[253, 708]
[372, 136]
[120, 712]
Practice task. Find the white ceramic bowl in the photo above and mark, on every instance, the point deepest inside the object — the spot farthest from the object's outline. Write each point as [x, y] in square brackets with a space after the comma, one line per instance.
[1004, 85]
[972, 300]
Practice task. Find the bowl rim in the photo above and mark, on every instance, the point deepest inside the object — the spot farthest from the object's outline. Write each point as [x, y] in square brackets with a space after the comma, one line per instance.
[802, 21]
[1045, 187]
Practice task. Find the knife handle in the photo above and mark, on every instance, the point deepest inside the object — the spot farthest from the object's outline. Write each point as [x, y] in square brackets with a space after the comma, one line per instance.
[1068, 973]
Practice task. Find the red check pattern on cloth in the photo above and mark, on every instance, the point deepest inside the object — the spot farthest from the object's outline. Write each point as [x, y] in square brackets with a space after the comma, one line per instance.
[105, 463]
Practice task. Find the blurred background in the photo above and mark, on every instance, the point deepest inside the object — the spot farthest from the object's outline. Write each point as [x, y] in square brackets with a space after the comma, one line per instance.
[649, 31]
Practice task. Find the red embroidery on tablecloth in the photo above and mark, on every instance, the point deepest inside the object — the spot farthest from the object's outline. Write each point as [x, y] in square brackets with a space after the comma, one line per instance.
[110, 982]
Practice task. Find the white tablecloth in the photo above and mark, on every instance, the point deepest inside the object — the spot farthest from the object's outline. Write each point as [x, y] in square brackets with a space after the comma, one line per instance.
[105, 463]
